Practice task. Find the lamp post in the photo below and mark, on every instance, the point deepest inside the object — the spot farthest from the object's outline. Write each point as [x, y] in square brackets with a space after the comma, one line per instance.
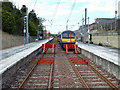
[27, 33]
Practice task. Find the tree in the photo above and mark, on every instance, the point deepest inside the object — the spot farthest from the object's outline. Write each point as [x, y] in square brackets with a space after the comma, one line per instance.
[8, 22]
[33, 17]
[19, 26]
[7, 6]
[23, 10]
[32, 29]
[17, 13]
[19, 21]
[13, 19]
[37, 21]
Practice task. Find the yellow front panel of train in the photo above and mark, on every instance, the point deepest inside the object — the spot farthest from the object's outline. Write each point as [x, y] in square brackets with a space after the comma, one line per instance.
[68, 40]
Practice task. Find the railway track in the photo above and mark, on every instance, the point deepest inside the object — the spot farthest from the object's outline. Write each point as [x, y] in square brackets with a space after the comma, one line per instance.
[89, 76]
[40, 75]
[64, 72]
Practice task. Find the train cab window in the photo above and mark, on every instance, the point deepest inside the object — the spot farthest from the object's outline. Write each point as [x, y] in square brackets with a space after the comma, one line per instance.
[72, 35]
[67, 35]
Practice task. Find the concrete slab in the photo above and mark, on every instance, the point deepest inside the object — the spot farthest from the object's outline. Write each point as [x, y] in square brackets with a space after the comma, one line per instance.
[107, 53]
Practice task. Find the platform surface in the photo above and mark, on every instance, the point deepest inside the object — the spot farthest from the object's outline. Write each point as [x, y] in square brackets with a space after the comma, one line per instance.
[108, 53]
[9, 57]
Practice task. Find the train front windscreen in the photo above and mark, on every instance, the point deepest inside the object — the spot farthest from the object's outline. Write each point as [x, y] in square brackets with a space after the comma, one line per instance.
[68, 35]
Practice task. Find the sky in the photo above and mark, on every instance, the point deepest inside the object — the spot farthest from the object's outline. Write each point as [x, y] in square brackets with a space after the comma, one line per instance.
[58, 12]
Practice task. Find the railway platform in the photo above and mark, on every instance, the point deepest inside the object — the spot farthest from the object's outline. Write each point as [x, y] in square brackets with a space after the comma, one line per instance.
[10, 56]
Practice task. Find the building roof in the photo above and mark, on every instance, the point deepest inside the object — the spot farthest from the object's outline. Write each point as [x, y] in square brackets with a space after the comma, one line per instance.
[104, 20]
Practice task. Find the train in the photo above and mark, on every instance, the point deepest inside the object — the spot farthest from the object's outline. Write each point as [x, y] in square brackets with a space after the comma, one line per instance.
[67, 37]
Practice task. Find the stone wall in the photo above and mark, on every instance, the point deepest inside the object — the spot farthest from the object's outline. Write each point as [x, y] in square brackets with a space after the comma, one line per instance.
[112, 40]
[106, 38]
[9, 40]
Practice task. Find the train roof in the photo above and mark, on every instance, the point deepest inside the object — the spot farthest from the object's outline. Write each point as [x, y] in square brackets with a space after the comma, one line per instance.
[67, 31]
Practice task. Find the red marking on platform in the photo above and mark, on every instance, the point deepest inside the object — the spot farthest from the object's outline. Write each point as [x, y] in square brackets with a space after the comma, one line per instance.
[77, 60]
[45, 60]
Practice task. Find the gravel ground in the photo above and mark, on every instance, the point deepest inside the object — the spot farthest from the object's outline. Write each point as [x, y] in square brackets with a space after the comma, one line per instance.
[22, 73]
[64, 75]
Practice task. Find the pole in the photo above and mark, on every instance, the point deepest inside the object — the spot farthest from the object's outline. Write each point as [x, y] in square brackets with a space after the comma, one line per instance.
[88, 33]
[82, 30]
[24, 31]
[45, 32]
[24, 39]
[115, 14]
[66, 27]
[85, 25]
[27, 34]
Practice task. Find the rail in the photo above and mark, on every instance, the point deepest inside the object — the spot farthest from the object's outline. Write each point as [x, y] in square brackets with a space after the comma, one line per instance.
[103, 77]
[50, 78]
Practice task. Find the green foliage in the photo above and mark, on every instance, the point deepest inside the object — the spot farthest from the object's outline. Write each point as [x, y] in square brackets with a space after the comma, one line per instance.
[17, 13]
[19, 21]
[19, 26]
[33, 18]
[7, 6]
[23, 10]
[37, 21]
[8, 22]
[32, 29]
[13, 19]
[41, 29]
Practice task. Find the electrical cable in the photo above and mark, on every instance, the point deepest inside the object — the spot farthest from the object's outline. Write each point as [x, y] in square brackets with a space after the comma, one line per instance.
[71, 11]
[56, 10]
[34, 4]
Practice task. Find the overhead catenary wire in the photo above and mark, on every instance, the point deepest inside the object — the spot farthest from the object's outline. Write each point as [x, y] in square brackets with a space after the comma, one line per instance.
[34, 4]
[73, 5]
[56, 10]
